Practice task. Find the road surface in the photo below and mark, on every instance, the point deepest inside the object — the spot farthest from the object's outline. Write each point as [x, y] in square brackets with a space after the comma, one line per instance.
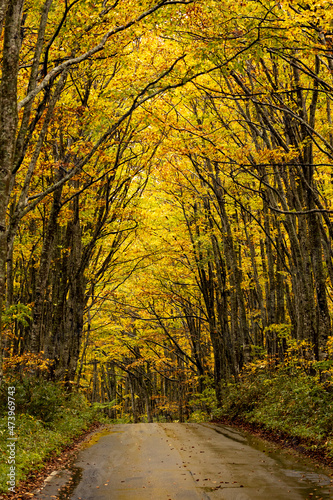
[174, 461]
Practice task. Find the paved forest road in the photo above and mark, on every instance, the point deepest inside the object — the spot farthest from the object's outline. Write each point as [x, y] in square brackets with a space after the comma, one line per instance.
[185, 462]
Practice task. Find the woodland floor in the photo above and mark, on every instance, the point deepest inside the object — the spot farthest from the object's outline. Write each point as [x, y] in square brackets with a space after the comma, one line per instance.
[26, 489]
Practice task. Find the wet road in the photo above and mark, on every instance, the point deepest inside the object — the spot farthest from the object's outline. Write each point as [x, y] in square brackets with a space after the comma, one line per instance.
[185, 462]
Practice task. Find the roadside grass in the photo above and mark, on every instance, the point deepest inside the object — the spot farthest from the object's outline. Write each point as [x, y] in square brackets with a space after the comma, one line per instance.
[284, 400]
[46, 420]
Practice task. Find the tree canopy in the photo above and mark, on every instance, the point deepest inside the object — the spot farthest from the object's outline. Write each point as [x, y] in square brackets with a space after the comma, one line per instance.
[165, 194]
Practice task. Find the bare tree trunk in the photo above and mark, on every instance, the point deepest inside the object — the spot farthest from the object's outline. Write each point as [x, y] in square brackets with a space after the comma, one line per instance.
[38, 326]
[131, 381]
[8, 126]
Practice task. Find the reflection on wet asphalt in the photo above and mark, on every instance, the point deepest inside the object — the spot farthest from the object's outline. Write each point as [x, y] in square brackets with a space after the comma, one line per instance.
[186, 462]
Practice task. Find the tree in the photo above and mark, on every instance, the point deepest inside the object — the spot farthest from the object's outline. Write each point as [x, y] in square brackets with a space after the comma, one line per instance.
[33, 95]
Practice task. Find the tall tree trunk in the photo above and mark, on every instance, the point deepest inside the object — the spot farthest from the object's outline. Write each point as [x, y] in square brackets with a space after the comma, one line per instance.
[8, 126]
[38, 325]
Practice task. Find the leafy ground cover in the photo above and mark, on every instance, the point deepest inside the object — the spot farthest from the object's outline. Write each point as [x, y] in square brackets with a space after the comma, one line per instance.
[286, 404]
[47, 421]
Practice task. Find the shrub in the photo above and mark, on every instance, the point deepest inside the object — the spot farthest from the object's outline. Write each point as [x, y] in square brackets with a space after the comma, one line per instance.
[47, 419]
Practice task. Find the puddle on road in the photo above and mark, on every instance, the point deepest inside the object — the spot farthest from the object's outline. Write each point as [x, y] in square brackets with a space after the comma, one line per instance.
[320, 479]
[230, 433]
[76, 472]
[66, 491]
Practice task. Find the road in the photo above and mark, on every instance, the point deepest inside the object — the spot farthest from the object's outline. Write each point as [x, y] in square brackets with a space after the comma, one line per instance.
[174, 461]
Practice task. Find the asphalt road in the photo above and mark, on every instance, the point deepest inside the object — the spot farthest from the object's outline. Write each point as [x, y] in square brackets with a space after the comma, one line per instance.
[185, 462]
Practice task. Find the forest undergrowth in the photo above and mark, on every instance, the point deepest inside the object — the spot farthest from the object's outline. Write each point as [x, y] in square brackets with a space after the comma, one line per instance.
[47, 420]
[291, 402]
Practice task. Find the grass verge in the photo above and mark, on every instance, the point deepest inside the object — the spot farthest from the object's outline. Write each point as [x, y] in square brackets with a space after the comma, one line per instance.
[47, 419]
[287, 402]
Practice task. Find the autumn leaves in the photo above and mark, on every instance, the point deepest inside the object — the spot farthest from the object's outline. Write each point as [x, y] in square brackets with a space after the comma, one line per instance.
[165, 189]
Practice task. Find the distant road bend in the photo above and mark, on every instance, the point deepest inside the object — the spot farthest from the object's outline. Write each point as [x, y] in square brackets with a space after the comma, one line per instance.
[172, 461]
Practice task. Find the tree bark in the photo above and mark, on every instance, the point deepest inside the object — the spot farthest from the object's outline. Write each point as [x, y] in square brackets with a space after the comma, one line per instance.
[8, 126]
